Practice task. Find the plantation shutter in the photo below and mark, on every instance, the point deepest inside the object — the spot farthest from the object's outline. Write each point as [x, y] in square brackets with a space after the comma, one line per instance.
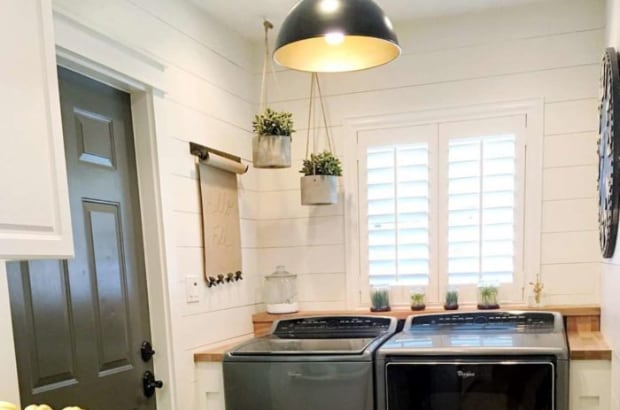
[398, 214]
[481, 191]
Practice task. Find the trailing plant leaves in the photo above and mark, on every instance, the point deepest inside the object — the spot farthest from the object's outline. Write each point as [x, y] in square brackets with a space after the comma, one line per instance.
[324, 163]
[273, 123]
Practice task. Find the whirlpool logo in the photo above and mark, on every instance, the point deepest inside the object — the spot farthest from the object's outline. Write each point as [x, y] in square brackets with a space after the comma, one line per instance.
[465, 375]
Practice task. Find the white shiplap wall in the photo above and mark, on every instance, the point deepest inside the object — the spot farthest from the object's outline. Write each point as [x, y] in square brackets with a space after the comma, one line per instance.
[210, 93]
[547, 51]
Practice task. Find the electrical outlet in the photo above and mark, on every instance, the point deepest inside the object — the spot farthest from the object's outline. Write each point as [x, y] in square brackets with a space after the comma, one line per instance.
[192, 289]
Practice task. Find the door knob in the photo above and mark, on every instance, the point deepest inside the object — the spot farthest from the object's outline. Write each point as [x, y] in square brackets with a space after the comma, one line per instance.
[146, 351]
[150, 384]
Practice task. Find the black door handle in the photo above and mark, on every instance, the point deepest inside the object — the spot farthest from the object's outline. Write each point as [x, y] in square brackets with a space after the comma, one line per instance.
[146, 351]
[150, 384]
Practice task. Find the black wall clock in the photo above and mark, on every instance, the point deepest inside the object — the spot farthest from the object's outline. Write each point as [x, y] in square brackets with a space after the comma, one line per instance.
[609, 154]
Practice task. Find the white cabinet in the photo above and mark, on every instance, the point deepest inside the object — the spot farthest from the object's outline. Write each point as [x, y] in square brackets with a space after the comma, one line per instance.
[590, 384]
[34, 205]
[210, 386]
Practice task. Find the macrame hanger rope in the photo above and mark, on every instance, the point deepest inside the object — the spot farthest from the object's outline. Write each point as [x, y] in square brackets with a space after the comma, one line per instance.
[263, 87]
[315, 80]
[329, 138]
[310, 104]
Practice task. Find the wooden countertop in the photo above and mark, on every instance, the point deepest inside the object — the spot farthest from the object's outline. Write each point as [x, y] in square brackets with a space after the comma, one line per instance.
[584, 337]
[215, 354]
[588, 345]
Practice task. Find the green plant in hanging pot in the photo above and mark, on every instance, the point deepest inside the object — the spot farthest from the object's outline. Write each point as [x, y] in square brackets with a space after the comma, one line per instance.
[319, 185]
[271, 145]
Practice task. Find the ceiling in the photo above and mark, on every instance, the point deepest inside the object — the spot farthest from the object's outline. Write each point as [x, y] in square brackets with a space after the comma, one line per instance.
[246, 16]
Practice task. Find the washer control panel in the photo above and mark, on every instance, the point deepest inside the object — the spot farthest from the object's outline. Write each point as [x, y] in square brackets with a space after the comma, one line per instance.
[524, 320]
[334, 326]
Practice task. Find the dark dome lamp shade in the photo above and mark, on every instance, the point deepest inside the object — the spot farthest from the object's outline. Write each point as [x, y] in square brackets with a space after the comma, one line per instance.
[335, 36]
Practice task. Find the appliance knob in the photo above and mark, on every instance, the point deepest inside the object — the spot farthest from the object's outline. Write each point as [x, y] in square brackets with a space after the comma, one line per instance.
[481, 320]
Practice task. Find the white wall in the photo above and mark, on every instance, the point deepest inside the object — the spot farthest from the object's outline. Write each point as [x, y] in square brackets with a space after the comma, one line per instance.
[210, 94]
[548, 51]
[610, 303]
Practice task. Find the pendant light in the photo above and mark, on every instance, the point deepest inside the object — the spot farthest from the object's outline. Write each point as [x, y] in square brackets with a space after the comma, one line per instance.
[336, 36]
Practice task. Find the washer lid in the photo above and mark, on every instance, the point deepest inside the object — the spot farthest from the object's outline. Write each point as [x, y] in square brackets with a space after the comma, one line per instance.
[273, 345]
[321, 335]
[467, 344]
[479, 333]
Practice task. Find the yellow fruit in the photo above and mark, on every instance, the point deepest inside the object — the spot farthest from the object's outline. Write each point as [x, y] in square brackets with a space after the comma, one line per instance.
[41, 407]
[5, 405]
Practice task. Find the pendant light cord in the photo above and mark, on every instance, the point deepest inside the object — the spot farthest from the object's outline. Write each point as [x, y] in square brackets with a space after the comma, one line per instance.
[315, 80]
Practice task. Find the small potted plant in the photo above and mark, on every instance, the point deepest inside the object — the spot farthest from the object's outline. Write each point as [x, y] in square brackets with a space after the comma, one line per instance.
[487, 296]
[319, 185]
[452, 299]
[379, 298]
[418, 297]
[271, 145]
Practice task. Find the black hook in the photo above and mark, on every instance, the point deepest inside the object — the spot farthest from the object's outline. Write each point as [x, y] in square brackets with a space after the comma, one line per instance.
[211, 281]
[230, 277]
[238, 275]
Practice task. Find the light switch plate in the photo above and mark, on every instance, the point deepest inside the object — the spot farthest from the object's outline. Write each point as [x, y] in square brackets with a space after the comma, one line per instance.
[192, 289]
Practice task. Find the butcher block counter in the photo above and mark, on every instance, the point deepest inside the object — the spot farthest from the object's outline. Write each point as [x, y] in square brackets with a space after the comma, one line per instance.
[582, 325]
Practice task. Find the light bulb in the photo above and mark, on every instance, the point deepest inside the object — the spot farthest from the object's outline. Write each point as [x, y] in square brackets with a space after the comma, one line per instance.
[334, 38]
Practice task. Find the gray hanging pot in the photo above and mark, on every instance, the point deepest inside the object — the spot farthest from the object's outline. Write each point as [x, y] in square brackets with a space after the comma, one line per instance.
[319, 190]
[271, 151]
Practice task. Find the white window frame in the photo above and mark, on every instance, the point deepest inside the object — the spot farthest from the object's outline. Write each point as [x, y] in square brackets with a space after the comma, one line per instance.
[531, 110]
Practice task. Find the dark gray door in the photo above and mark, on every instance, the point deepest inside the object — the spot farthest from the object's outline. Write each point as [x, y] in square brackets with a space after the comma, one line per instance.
[79, 323]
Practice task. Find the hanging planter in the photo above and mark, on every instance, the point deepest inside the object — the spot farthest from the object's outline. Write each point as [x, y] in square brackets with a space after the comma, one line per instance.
[319, 185]
[271, 145]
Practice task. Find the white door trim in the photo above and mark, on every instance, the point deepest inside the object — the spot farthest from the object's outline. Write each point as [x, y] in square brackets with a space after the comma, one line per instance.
[97, 56]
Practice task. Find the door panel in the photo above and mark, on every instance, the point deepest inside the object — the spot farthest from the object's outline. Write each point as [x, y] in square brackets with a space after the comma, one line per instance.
[45, 293]
[79, 323]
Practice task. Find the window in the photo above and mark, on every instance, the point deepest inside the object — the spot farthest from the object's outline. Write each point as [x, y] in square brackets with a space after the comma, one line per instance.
[481, 209]
[443, 204]
[398, 214]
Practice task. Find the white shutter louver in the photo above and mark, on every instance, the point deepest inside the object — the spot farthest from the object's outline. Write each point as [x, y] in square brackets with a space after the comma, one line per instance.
[481, 209]
[398, 214]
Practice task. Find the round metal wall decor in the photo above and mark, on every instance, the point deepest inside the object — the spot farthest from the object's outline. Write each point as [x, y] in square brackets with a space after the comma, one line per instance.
[609, 154]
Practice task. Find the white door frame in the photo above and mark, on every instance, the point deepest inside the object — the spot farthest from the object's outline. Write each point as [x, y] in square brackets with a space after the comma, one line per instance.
[95, 55]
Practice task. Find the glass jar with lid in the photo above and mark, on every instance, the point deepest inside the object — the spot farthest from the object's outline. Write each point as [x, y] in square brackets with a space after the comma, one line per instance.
[281, 291]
